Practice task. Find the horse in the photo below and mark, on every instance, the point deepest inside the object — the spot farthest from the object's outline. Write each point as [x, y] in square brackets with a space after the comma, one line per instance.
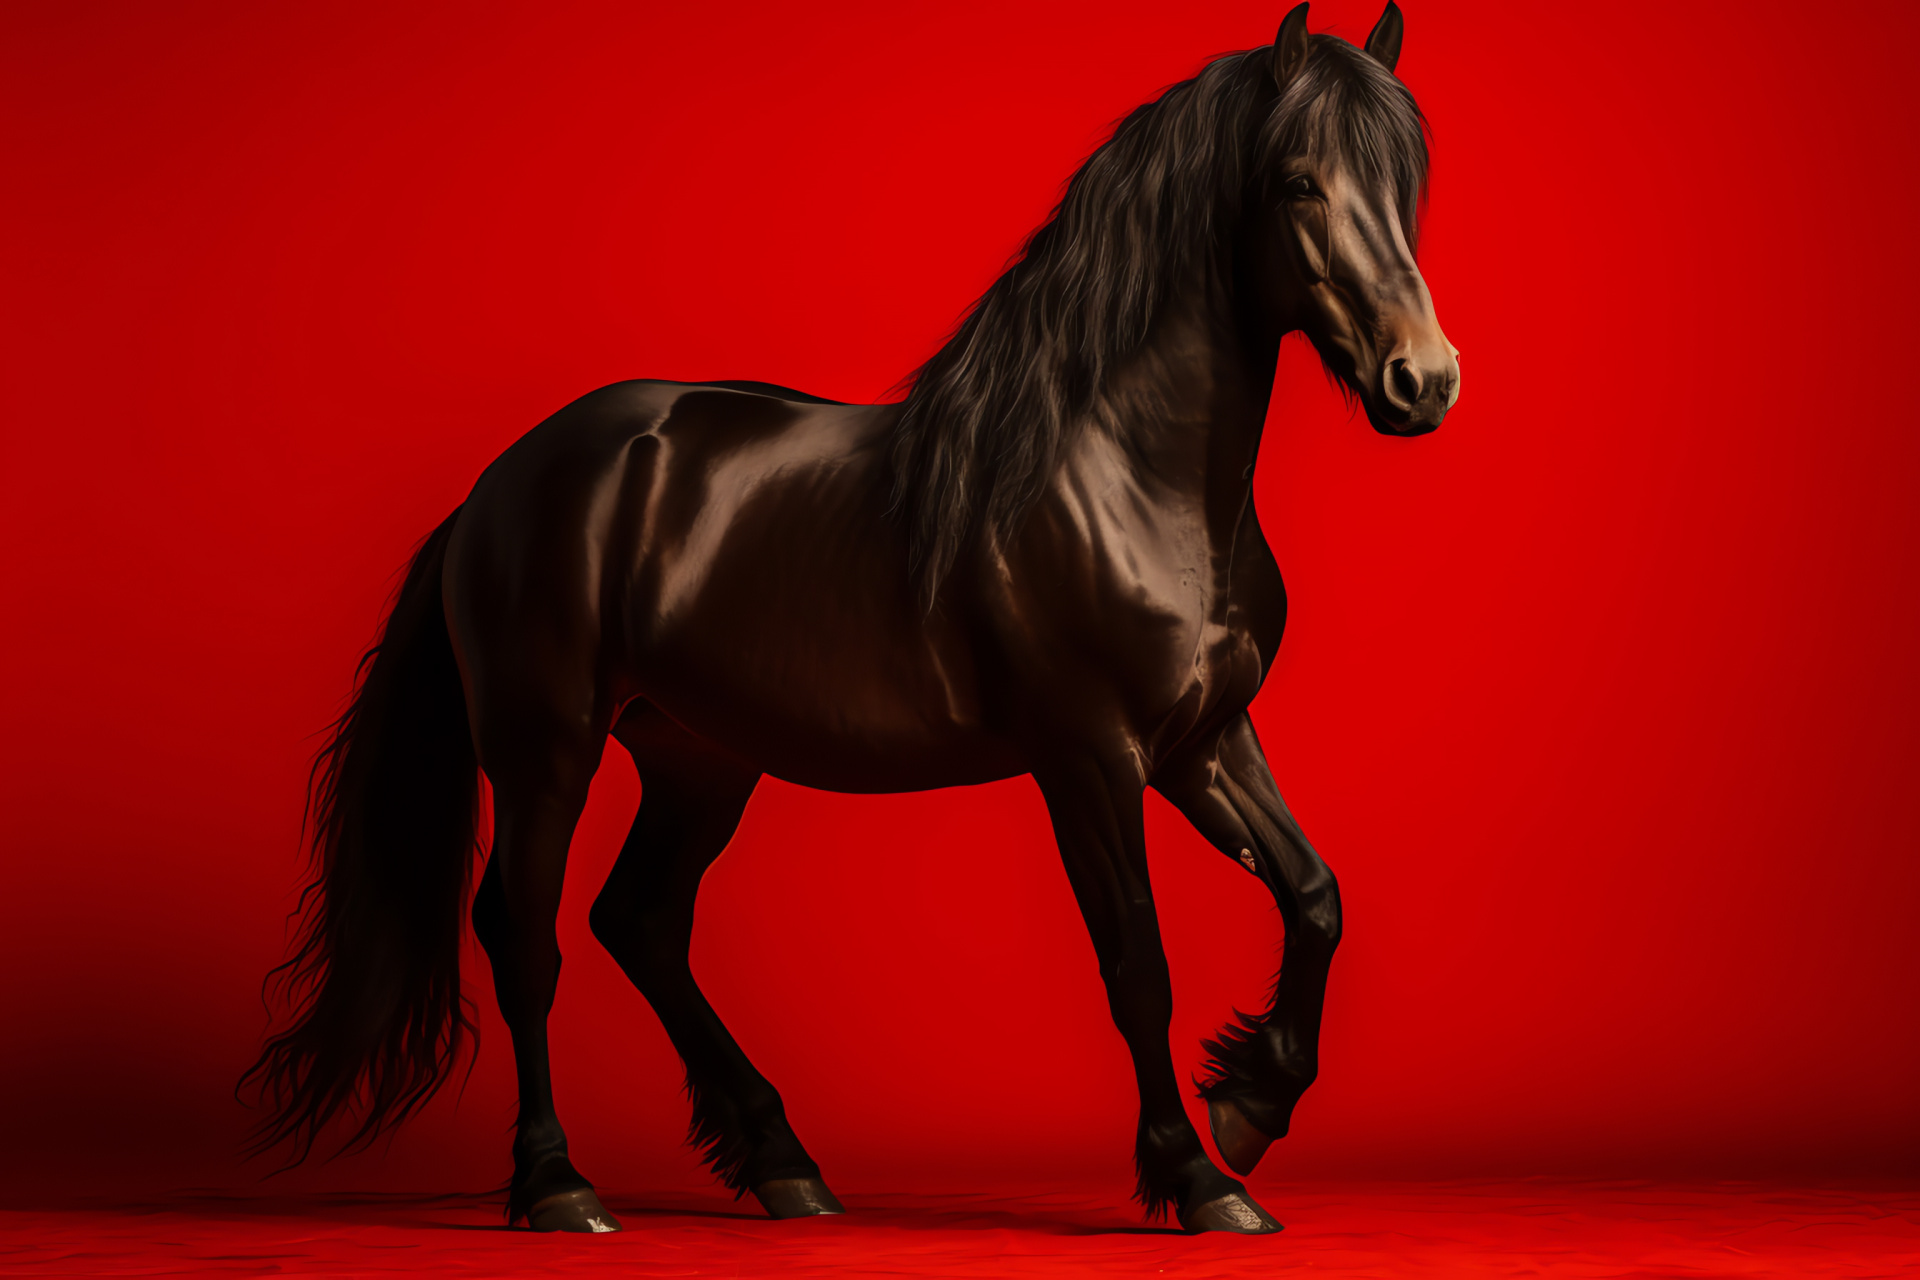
[1043, 560]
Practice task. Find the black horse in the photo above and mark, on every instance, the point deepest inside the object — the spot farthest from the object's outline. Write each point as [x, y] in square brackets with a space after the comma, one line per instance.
[1043, 560]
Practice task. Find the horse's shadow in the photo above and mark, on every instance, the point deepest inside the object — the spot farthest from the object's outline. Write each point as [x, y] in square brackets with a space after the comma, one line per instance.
[917, 1217]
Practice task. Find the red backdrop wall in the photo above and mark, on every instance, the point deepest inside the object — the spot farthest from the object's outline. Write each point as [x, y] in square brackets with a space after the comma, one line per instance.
[1601, 701]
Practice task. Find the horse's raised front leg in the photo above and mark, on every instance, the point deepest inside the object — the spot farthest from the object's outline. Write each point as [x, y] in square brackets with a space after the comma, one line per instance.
[1261, 1065]
[539, 787]
[692, 795]
[1096, 811]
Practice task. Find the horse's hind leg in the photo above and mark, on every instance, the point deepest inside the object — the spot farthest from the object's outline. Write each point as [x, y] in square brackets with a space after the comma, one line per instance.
[1262, 1065]
[539, 767]
[1096, 811]
[692, 795]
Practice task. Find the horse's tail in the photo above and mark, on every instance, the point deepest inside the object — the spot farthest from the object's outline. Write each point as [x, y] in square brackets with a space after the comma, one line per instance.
[378, 1019]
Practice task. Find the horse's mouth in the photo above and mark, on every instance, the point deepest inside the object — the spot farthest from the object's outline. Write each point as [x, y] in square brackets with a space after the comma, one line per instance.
[1391, 423]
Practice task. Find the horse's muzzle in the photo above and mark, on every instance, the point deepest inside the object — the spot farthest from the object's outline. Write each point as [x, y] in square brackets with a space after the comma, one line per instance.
[1416, 392]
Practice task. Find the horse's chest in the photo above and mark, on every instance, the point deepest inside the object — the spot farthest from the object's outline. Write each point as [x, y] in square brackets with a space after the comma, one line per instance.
[1177, 647]
[1218, 672]
[1215, 663]
[1133, 612]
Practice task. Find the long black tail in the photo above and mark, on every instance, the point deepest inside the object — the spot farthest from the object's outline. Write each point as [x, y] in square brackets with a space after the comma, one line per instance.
[373, 981]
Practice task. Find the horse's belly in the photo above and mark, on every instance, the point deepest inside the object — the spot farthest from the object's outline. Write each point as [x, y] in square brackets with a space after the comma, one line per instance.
[838, 716]
[801, 649]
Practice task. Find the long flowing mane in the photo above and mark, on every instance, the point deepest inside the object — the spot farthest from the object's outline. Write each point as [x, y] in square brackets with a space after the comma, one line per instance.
[989, 416]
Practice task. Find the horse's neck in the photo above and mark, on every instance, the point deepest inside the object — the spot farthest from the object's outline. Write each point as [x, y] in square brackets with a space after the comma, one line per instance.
[1189, 406]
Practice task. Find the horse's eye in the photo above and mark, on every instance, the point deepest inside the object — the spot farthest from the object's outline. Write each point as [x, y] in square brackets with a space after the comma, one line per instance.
[1298, 187]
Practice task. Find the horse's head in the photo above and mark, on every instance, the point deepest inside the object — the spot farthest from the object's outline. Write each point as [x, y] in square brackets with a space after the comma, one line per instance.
[1344, 171]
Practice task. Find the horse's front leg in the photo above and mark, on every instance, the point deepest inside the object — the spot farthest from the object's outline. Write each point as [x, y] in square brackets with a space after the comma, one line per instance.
[1096, 811]
[1261, 1065]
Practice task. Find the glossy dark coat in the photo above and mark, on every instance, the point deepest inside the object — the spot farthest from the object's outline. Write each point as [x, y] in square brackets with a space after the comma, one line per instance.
[719, 576]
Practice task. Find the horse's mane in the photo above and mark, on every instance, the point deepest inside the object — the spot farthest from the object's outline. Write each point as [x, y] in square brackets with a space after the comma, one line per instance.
[989, 416]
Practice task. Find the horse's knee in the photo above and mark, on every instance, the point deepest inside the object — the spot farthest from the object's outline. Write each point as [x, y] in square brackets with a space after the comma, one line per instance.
[618, 924]
[640, 937]
[490, 915]
[610, 921]
[1317, 904]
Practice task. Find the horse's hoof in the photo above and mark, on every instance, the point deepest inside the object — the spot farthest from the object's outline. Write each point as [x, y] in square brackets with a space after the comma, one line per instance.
[571, 1211]
[796, 1198]
[1240, 1144]
[1234, 1212]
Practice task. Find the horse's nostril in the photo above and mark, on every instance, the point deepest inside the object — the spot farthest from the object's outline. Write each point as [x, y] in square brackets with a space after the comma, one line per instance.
[1403, 384]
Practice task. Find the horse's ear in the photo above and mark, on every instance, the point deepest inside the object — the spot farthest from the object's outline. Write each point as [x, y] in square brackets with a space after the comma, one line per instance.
[1290, 47]
[1384, 42]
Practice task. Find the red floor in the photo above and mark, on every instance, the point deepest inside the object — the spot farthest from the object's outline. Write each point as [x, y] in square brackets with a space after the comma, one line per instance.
[1537, 1229]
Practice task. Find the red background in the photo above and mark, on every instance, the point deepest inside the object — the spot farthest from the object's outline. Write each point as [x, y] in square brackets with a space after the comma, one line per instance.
[1601, 701]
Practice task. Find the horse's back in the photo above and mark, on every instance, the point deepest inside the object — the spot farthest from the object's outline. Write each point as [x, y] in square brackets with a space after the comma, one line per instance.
[723, 552]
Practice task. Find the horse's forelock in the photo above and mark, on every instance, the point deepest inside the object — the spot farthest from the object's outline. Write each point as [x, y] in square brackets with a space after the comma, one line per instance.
[1348, 109]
